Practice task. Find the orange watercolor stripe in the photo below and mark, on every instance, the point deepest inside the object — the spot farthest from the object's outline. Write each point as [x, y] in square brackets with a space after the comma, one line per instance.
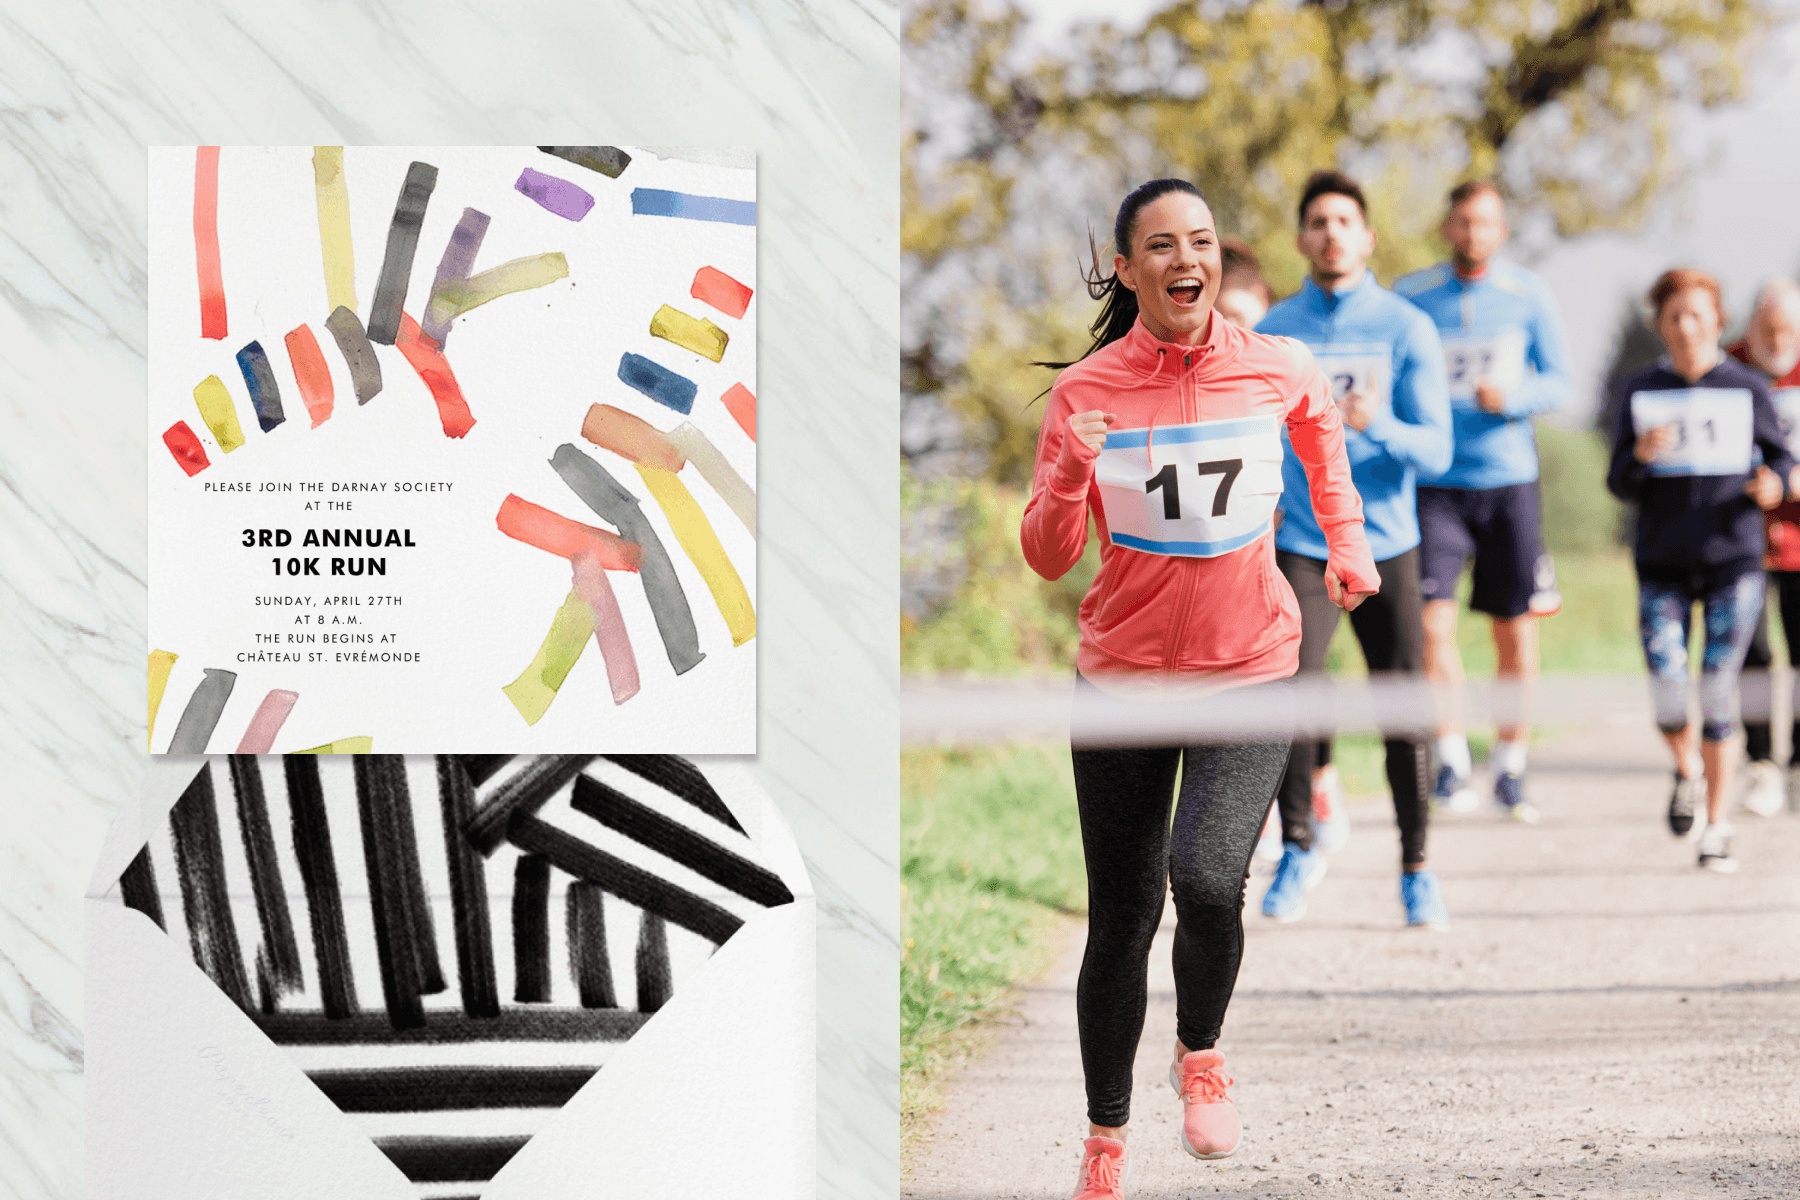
[428, 360]
[742, 407]
[189, 454]
[630, 437]
[537, 526]
[713, 286]
[311, 373]
[206, 242]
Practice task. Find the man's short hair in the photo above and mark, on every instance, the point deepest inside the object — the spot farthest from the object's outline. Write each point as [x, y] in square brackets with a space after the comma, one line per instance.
[1331, 183]
[1469, 189]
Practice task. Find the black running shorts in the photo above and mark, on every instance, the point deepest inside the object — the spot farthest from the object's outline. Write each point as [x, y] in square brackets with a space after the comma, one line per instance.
[1500, 528]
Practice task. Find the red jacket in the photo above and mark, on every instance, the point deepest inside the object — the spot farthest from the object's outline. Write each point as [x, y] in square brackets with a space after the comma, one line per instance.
[1167, 616]
[1781, 524]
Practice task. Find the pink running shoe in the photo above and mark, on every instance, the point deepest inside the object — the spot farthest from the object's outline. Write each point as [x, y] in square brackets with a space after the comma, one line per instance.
[1209, 1127]
[1104, 1170]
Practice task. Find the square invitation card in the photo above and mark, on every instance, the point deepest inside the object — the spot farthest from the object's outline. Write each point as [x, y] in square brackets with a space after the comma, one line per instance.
[452, 449]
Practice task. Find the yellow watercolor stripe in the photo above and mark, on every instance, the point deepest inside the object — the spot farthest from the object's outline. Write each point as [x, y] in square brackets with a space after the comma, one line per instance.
[695, 533]
[334, 227]
[219, 413]
[454, 297]
[701, 336]
[161, 663]
[532, 692]
[350, 745]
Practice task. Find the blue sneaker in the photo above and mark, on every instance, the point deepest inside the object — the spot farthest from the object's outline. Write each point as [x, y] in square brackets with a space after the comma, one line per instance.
[1453, 793]
[1424, 900]
[1510, 801]
[1299, 872]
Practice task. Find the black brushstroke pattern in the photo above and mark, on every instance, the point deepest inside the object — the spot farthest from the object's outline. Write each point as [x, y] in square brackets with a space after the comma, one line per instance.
[655, 981]
[531, 930]
[447, 1028]
[402, 246]
[588, 961]
[631, 884]
[280, 947]
[483, 767]
[138, 886]
[387, 891]
[525, 792]
[671, 839]
[318, 871]
[200, 862]
[449, 1160]
[418, 905]
[444, 1089]
[468, 893]
[681, 777]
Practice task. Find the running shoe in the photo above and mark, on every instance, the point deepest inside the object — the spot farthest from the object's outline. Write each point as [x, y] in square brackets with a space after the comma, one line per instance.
[1453, 792]
[1105, 1168]
[1209, 1123]
[1331, 824]
[1299, 872]
[1715, 850]
[1688, 793]
[1268, 846]
[1424, 901]
[1763, 789]
[1545, 600]
[1510, 801]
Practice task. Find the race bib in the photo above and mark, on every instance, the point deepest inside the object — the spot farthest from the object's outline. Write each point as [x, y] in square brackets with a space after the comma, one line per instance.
[1191, 491]
[1353, 368]
[1714, 429]
[1787, 411]
[1470, 358]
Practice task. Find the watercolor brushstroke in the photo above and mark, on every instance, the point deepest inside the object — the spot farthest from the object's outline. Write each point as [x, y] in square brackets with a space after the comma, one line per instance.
[402, 247]
[534, 689]
[333, 194]
[161, 663]
[359, 356]
[566, 200]
[311, 374]
[458, 260]
[713, 286]
[654, 202]
[201, 716]
[434, 369]
[701, 544]
[721, 475]
[699, 335]
[630, 436]
[349, 745]
[271, 714]
[595, 487]
[658, 382]
[740, 402]
[610, 161]
[219, 413]
[451, 298]
[185, 446]
[534, 525]
[609, 627]
[206, 243]
[259, 377]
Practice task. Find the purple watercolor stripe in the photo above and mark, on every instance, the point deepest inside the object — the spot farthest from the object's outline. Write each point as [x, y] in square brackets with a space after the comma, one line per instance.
[458, 261]
[556, 195]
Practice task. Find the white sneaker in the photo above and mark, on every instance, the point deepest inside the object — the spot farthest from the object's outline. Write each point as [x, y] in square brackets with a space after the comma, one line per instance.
[1715, 850]
[1763, 789]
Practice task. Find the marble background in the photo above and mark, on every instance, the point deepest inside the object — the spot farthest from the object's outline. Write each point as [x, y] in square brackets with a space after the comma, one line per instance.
[813, 86]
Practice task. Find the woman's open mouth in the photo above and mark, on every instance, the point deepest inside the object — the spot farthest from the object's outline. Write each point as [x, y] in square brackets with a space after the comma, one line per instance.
[1185, 292]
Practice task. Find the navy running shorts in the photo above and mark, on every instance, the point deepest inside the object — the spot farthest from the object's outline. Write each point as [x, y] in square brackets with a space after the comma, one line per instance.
[1500, 528]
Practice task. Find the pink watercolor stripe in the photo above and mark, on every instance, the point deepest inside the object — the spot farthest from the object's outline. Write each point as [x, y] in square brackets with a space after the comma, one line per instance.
[270, 715]
[609, 627]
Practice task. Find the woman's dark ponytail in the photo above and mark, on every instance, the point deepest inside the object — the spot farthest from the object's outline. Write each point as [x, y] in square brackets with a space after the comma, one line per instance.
[1120, 310]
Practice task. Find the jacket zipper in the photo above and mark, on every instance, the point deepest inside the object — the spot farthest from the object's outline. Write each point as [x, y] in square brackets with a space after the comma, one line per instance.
[1190, 411]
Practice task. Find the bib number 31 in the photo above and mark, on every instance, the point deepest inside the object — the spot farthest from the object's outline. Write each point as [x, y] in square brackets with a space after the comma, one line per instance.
[1193, 491]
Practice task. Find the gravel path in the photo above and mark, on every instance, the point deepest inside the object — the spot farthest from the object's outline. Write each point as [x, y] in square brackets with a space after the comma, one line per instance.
[1602, 1019]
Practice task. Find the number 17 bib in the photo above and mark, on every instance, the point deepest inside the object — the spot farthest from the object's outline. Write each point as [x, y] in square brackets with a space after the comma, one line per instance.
[1191, 491]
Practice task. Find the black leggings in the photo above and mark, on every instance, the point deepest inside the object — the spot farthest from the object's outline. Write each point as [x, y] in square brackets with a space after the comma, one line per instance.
[1759, 735]
[1132, 855]
[1390, 629]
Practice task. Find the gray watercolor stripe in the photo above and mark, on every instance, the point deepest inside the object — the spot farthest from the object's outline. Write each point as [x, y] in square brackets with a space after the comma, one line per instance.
[359, 355]
[201, 715]
[402, 246]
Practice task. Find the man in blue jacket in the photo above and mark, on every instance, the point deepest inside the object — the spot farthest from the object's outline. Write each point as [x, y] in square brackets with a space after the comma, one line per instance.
[1387, 372]
[1503, 351]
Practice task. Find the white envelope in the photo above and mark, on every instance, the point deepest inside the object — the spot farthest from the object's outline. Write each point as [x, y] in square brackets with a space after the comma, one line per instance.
[187, 1098]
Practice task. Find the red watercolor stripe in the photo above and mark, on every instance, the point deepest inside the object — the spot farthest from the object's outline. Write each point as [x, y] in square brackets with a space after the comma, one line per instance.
[721, 291]
[311, 373]
[206, 242]
[189, 454]
[742, 406]
[428, 360]
[546, 530]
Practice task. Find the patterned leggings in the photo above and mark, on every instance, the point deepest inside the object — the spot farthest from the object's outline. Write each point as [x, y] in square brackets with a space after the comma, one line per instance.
[1665, 611]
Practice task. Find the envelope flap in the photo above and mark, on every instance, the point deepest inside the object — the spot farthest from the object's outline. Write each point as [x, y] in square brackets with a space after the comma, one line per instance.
[141, 816]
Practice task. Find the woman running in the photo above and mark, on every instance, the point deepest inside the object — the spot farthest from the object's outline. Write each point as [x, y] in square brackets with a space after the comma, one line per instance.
[1167, 436]
[1686, 433]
